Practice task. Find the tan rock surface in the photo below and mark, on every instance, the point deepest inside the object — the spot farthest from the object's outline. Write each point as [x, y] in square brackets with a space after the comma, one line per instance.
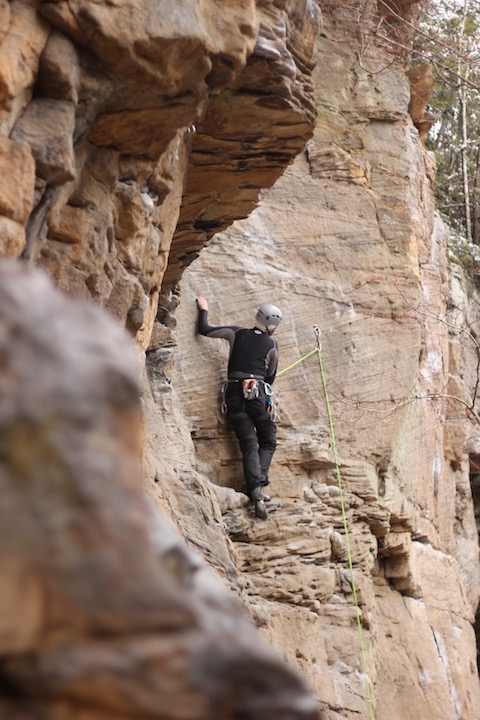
[250, 132]
[111, 99]
[346, 239]
[174, 116]
[17, 180]
[104, 98]
[103, 613]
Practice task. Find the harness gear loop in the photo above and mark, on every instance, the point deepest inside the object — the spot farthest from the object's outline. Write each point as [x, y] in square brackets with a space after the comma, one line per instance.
[224, 398]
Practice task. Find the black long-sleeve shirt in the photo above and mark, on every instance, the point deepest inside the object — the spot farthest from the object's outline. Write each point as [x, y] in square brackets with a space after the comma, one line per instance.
[253, 353]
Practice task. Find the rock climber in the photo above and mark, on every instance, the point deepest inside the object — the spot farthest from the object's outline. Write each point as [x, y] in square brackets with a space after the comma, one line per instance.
[252, 366]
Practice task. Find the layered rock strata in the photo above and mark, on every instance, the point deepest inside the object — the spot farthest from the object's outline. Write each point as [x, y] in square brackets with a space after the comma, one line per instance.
[104, 108]
[347, 240]
[130, 135]
[250, 133]
[104, 613]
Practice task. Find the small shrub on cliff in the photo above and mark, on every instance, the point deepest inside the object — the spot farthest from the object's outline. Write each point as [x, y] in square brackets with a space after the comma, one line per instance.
[464, 253]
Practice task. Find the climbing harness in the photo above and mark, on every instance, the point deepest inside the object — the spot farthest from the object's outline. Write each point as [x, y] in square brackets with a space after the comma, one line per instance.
[251, 391]
[317, 350]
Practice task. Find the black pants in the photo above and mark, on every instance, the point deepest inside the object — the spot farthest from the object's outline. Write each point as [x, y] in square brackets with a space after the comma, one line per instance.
[256, 433]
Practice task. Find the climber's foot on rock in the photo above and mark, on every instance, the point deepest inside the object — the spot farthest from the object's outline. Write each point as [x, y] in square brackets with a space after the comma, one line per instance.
[260, 510]
[258, 497]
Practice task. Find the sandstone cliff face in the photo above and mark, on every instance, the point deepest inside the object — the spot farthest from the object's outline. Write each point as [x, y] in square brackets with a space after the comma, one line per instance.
[347, 240]
[130, 135]
[104, 613]
[104, 107]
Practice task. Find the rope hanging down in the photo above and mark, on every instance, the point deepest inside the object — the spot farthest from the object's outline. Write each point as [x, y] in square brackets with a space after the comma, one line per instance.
[317, 350]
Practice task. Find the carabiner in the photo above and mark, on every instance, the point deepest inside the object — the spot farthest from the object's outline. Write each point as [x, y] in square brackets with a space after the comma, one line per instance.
[317, 333]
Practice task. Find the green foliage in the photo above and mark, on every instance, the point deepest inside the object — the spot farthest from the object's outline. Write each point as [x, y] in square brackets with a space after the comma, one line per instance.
[449, 38]
[464, 253]
[446, 34]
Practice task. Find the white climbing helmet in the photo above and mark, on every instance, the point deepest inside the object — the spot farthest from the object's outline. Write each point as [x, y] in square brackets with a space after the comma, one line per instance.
[268, 316]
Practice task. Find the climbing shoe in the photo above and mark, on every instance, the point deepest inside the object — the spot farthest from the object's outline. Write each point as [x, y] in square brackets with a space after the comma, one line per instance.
[258, 497]
[260, 510]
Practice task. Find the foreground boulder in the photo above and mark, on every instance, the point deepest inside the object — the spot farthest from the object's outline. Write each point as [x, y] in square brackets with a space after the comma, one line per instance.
[103, 613]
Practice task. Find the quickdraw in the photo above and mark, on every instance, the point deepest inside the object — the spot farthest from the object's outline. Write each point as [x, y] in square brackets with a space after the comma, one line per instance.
[271, 406]
[272, 411]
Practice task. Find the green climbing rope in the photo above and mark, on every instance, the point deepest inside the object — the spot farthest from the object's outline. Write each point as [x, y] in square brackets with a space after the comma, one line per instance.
[297, 362]
[318, 351]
